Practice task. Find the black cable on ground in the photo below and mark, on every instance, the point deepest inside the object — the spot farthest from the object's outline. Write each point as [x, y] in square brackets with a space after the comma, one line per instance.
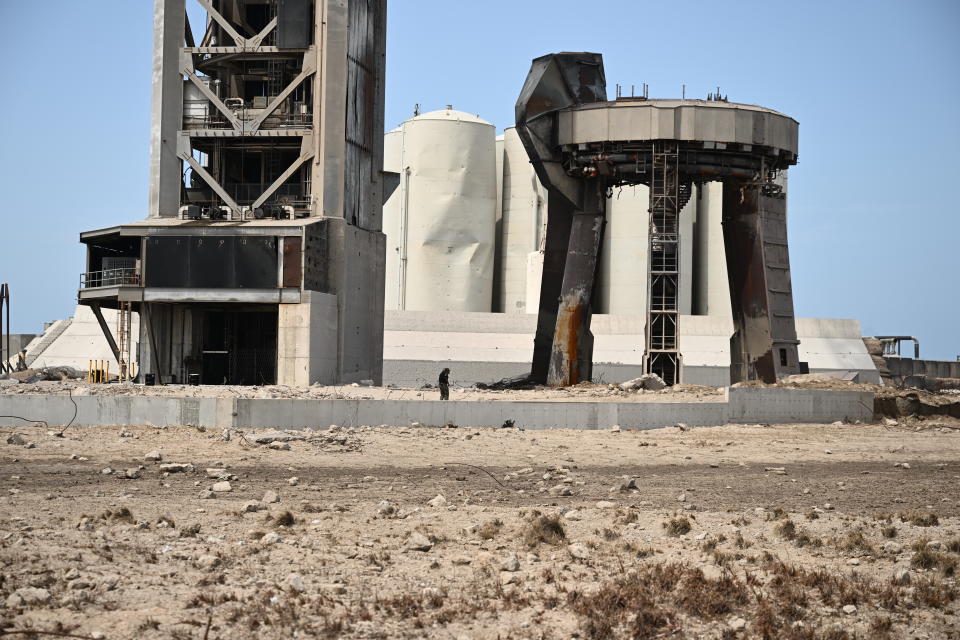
[76, 410]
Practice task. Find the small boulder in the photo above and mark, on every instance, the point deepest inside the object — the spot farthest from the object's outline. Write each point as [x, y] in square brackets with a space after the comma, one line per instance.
[438, 501]
[153, 456]
[132, 473]
[27, 596]
[222, 487]
[510, 563]
[279, 446]
[849, 609]
[270, 538]
[419, 542]
[578, 550]
[270, 497]
[295, 583]
[16, 439]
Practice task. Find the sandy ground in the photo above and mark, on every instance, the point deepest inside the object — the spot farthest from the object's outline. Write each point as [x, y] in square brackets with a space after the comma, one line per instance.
[812, 531]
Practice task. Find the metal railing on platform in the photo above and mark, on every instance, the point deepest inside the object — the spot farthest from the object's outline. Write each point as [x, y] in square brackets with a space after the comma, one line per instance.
[110, 278]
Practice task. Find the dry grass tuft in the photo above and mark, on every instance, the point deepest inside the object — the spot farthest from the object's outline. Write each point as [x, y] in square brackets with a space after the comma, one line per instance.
[677, 526]
[889, 531]
[919, 518]
[285, 519]
[544, 529]
[489, 529]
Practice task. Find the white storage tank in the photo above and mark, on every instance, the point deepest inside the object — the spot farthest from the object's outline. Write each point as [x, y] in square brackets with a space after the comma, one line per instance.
[524, 220]
[392, 152]
[440, 222]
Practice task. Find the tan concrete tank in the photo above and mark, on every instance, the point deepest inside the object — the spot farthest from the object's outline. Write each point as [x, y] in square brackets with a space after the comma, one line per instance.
[440, 222]
[521, 230]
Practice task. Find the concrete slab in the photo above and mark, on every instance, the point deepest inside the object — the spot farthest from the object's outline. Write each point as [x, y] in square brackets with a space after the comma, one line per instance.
[741, 405]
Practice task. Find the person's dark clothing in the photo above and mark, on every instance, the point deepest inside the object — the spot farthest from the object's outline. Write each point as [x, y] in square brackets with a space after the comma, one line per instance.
[444, 384]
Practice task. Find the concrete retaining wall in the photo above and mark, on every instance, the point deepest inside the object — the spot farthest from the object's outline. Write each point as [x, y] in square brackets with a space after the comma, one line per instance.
[742, 405]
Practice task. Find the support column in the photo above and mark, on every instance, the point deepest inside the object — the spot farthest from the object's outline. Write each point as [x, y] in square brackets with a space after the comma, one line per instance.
[555, 248]
[167, 108]
[764, 341]
[571, 357]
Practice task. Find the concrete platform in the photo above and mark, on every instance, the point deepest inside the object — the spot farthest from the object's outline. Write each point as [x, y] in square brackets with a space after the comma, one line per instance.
[738, 406]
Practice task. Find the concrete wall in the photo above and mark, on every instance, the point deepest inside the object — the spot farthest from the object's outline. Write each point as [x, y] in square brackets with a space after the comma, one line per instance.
[902, 367]
[487, 347]
[307, 340]
[743, 405]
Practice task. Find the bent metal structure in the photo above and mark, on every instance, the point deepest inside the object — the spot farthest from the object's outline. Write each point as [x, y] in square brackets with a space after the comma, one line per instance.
[582, 145]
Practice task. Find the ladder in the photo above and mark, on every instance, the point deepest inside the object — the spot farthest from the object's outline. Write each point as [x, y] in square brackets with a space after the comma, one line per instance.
[667, 198]
[124, 343]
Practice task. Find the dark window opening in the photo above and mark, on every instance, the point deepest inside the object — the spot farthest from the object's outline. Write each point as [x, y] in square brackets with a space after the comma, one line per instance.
[783, 357]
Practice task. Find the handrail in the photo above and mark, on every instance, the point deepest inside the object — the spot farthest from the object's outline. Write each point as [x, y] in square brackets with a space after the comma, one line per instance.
[110, 278]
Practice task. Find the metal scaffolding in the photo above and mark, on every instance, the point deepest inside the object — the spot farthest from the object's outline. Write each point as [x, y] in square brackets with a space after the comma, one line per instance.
[667, 198]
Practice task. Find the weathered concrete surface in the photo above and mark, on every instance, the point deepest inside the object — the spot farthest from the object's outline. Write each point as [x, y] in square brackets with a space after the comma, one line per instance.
[742, 405]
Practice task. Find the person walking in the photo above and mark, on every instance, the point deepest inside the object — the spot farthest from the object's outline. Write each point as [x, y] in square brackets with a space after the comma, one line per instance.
[444, 384]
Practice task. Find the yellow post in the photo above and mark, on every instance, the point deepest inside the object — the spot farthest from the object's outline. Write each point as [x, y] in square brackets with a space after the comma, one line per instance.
[89, 371]
[106, 377]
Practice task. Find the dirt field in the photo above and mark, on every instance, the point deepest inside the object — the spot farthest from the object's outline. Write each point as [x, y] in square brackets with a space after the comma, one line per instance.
[813, 531]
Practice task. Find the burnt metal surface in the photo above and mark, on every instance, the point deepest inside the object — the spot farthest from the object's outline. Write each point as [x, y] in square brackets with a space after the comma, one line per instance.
[563, 345]
[571, 358]
[764, 341]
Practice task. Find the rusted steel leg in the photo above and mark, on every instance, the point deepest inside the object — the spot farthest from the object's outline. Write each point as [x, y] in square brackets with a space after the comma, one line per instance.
[554, 260]
[764, 342]
[571, 359]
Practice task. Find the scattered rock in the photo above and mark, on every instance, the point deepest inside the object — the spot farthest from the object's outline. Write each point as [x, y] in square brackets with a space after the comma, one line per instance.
[294, 481]
[578, 550]
[903, 577]
[738, 624]
[438, 501]
[849, 609]
[16, 439]
[207, 562]
[333, 588]
[295, 583]
[251, 507]
[573, 515]
[605, 504]
[682, 426]
[780, 471]
[153, 456]
[419, 542]
[279, 446]
[615, 428]
[28, 596]
[106, 471]
[276, 436]
[206, 495]
[270, 497]
[132, 473]
[629, 485]
[222, 487]
[510, 563]
[177, 467]
[892, 547]
[561, 490]
[270, 538]
[385, 509]
[219, 474]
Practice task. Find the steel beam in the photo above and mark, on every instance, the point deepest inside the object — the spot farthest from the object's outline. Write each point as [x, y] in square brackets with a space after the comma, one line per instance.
[95, 307]
[571, 358]
[764, 342]
[556, 246]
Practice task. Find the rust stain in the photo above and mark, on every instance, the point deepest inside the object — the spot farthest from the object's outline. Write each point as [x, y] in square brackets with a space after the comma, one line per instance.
[569, 321]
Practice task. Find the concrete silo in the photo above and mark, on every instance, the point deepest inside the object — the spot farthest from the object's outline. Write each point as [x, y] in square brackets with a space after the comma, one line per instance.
[440, 222]
[523, 220]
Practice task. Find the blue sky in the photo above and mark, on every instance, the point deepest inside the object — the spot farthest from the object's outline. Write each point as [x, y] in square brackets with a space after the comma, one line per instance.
[874, 224]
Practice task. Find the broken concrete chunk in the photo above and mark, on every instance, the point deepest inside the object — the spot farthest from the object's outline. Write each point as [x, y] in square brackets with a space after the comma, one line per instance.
[177, 467]
[276, 436]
